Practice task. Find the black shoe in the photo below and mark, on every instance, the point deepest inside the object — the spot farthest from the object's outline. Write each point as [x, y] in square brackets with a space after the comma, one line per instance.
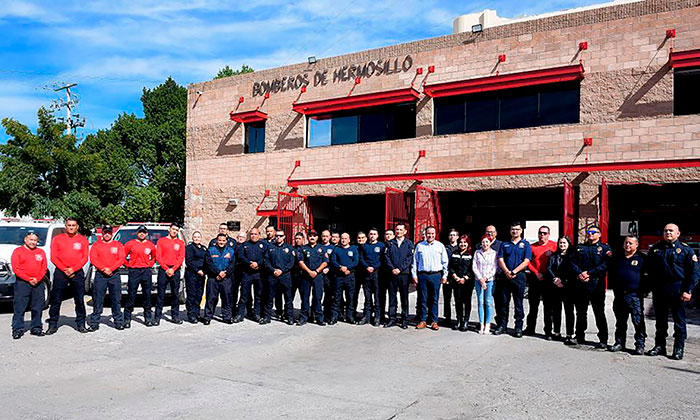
[518, 333]
[238, 319]
[177, 321]
[638, 350]
[404, 324]
[320, 323]
[529, 331]
[228, 321]
[289, 322]
[333, 321]
[90, 328]
[657, 351]
[376, 323]
[17, 334]
[616, 347]
[549, 337]
[677, 352]
[119, 327]
[206, 321]
[390, 324]
[127, 325]
[37, 332]
[499, 331]
[601, 345]
[580, 341]
[51, 331]
[363, 321]
[569, 341]
[192, 321]
[301, 322]
[267, 320]
[82, 329]
[148, 323]
[155, 323]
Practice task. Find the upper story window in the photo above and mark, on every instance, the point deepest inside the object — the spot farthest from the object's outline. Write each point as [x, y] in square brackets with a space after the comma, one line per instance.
[254, 137]
[363, 125]
[686, 91]
[555, 103]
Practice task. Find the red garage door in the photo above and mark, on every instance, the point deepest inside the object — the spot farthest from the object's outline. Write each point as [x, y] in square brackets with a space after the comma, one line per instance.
[293, 214]
[427, 212]
[398, 209]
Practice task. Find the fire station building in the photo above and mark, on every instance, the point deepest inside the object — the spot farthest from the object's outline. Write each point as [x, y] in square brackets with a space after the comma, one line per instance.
[590, 115]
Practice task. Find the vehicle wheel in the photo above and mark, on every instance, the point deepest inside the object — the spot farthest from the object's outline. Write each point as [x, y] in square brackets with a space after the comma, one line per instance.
[47, 294]
[181, 295]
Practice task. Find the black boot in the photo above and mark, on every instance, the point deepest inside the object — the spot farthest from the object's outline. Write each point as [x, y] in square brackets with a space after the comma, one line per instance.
[462, 324]
[618, 346]
[658, 350]
[678, 351]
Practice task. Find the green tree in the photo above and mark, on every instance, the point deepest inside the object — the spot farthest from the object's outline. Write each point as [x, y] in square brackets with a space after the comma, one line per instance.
[228, 71]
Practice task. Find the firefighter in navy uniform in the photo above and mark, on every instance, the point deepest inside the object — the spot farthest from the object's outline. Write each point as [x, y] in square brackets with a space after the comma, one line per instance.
[627, 276]
[371, 255]
[399, 257]
[674, 274]
[223, 228]
[297, 272]
[384, 278]
[220, 263]
[195, 259]
[328, 278]
[280, 258]
[251, 258]
[312, 261]
[448, 288]
[344, 260]
[589, 264]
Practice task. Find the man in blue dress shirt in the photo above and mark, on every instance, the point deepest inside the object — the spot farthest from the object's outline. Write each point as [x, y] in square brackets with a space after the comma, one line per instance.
[429, 271]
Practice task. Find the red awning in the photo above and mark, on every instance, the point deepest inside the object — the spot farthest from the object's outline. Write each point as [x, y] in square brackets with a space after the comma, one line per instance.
[248, 116]
[506, 81]
[360, 101]
[682, 59]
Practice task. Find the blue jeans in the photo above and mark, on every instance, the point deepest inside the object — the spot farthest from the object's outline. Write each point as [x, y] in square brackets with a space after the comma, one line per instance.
[429, 292]
[485, 301]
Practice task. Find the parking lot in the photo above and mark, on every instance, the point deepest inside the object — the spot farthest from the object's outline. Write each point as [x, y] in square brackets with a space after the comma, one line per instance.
[346, 372]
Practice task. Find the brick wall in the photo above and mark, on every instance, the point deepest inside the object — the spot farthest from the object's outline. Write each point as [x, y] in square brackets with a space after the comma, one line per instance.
[626, 107]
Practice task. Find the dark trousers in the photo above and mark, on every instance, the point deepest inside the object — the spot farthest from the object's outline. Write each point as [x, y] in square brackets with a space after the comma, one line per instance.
[399, 284]
[447, 291]
[219, 288]
[383, 291]
[594, 296]
[99, 289]
[194, 286]
[283, 284]
[371, 288]
[463, 298]
[627, 305]
[536, 293]
[279, 305]
[60, 282]
[251, 281]
[163, 282]
[139, 276]
[308, 285]
[344, 284]
[505, 290]
[28, 296]
[429, 290]
[663, 302]
[328, 294]
[360, 276]
[556, 297]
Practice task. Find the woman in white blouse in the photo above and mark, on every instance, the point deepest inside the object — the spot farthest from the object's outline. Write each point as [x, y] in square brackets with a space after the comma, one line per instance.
[484, 267]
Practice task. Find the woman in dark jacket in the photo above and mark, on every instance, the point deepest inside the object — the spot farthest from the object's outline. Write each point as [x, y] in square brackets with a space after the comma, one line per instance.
[560, 291]
[195, 253]
[462, 279]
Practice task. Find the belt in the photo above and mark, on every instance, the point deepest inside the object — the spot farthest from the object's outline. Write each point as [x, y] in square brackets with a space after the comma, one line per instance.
[430, 272]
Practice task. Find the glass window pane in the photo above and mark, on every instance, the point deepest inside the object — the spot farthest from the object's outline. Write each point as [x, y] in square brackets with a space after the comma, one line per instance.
[319, 131]
[402, 124]
[482, 113]
[449, 115]
[686, 91]
[560, 103]
[254, 137]
[518, 109]
[344, 130]
[374, 125]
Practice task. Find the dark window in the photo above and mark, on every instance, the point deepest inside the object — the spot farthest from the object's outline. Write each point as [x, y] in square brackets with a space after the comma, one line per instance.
[255, 137]
[686, 91]
[362, 126]
[512, 108]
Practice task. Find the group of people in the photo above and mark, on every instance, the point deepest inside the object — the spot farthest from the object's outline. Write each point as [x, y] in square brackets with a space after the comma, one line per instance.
[251, 274]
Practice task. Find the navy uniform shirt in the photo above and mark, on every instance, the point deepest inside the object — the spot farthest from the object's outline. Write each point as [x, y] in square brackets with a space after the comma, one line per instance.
[348, 257]
[312, 256]
[371, 255]
[514, 254]
[249, 252]
[400, 257]
[674, 266]
[451, 249]
[195, 257]
[627, 274]
[592, 258]
[230, 242]
[280, 257]
[221, 259]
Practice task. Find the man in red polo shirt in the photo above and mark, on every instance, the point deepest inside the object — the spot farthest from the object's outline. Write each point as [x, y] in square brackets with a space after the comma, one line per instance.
[141, 255]
[537, 288]
[30, 267]
[107, 255]
[69, 253]
[170, 254]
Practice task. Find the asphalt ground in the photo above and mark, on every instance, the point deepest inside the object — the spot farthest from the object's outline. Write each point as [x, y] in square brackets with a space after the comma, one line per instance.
[340, 372]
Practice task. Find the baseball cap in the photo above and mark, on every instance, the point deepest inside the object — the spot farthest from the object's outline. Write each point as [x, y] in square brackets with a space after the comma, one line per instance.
[141, 228]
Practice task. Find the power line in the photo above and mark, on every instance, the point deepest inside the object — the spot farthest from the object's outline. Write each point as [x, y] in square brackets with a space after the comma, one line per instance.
[78, 76]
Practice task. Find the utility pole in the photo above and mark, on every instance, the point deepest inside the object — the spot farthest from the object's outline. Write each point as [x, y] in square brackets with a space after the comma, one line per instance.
[71, 120]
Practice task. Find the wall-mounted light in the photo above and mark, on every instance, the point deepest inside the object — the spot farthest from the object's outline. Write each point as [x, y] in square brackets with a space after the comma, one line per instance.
[312, 60]
[199, 92]
[233, 202]
[477, 28]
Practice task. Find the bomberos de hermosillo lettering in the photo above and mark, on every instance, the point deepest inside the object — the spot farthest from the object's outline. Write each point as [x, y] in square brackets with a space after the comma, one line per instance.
[379, 67]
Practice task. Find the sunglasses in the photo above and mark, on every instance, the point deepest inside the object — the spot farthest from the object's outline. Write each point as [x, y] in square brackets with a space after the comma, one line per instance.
[592, 232]
[280, 236]
[543, 233]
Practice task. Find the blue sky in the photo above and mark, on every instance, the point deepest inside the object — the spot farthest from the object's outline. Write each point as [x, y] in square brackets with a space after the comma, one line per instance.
[113, 49]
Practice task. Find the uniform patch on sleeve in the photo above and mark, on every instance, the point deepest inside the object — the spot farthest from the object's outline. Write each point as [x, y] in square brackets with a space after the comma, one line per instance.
[678, 251]
[609, 253]
[286, 251]
[521, 245]
[695, 258]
